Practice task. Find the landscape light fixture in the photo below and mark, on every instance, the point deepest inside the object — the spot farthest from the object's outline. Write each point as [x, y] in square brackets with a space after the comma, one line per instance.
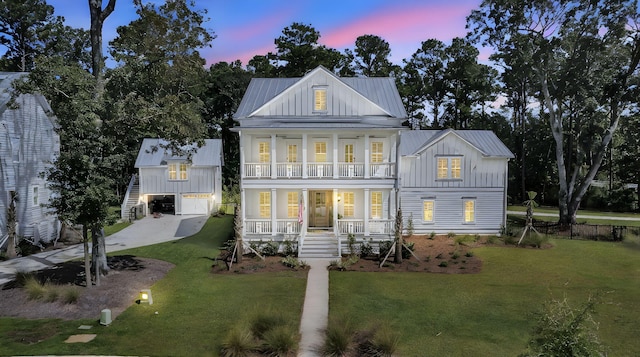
[145, 297]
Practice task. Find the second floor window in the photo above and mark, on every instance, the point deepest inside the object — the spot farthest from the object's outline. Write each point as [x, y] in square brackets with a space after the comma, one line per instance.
[348, 153]
[321, 151]
[263, 152]
[376, 151]
[449, 168]
[177, 171]
[292, 153]
[36, 200]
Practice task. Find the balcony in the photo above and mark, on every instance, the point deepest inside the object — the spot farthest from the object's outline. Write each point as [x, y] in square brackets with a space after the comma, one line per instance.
[263, 226]
[321, 170]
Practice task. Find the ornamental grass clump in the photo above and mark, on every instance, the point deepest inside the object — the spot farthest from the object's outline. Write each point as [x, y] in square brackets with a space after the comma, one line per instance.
[239, 342]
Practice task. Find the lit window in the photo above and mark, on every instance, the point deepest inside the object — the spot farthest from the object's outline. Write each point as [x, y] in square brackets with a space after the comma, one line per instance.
[376, 151]
[469, 211]
[376, 205]
[265, 204]
[321, 151]
[35, 196]
[292, 153]
[292, 204]
[427, 211]
[449, 168]
[348, 153]
[177, 171]
[263, 151]
[320, 100]
[348, 204]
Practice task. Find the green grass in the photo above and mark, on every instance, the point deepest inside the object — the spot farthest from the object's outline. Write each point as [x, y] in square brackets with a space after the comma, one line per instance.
[489, 314]
[193, 309]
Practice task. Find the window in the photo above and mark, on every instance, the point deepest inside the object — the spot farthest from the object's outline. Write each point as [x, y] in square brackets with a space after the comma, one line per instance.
[321, 151]
[427, 211]
[292, 153]
[469, 211]
[35, 196]
[376, 151]
[292, 205]
[449, 168]
[376, 205]
[348, 153]
[348, 209]
[265, 204]
[320, 100]
[263, 152]
[177, 171]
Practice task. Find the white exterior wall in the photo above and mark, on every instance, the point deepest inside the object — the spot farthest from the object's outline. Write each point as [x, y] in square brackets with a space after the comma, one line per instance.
[28, 142]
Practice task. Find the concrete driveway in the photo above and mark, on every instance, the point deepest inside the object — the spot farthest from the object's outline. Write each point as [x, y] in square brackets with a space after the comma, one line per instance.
[146, 231]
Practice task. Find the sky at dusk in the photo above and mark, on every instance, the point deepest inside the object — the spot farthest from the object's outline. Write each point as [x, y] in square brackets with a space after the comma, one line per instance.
[245, 28]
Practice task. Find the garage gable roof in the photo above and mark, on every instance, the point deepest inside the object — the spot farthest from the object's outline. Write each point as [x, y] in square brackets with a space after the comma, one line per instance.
[153, 153]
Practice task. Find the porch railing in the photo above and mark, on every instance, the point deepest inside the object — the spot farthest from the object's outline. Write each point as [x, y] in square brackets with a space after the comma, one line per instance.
[356, 226]
[319, 170]
[383, 170]
[350, 169]
[257, 170]
[381, 226]
[264, 226]
[257, 226]
[292, 169]
[288, 226]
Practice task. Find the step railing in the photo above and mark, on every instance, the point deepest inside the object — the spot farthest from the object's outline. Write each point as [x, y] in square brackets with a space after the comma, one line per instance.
[123, 207]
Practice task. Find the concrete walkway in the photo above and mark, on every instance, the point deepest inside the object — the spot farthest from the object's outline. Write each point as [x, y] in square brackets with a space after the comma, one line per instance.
[315, 312]
[146, 231]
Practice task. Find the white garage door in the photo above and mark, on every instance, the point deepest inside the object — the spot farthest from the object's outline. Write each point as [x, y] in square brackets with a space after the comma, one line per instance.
[195, 204]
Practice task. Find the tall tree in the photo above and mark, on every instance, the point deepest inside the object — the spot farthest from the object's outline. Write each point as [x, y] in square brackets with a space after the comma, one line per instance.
[298, 51]
[98, 16]
[583, 55]
[371, 58]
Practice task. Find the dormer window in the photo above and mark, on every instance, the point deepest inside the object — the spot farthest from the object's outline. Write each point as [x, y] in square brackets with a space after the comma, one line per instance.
[177, 171]
[320, 99]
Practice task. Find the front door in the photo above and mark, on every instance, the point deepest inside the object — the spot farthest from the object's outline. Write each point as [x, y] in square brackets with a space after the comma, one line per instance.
[321, 212]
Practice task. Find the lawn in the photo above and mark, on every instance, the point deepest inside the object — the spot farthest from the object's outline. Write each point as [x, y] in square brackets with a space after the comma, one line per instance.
[193, 309]
[490, 314]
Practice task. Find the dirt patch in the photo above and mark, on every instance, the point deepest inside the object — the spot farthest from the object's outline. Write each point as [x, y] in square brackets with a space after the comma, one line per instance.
[117, 291]
[439, 254]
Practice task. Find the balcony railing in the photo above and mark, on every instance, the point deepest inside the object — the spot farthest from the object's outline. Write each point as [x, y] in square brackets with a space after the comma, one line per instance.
[320, 170]
[356, 226]
[291, 226]
[263, 226]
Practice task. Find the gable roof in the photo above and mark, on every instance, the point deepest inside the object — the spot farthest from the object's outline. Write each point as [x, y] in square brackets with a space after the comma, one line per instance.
[485, 141]
[380, 91]
[151, 154]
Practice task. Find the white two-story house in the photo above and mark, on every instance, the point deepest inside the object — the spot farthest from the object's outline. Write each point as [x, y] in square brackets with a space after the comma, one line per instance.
[321, 156]
[318, 155]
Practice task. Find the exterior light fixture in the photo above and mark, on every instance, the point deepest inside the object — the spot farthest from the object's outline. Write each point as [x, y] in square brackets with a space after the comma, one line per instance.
[145, 297]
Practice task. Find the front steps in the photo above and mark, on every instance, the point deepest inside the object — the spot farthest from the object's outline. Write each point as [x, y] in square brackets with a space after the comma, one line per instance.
[319, 245]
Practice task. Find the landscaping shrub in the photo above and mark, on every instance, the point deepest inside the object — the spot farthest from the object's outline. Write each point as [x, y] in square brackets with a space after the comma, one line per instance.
[293, 262]
[535, 240]
[51, 292]
[70, 294]
[366, 250]
[269, 249]
[385, 247]
[238, 343]
[263, 321]
[443, 264]
[385, 341]
[35, 290]
[280, 341]
[351, 243]
[432, 235]
[337, 341]
[464, 240]
[290, 248]
[406, 254]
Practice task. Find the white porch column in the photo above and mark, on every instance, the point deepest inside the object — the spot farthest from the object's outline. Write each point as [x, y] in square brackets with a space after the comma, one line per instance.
[241, 156]
[305, 173]
[274, 211]
[335, 155]
[243, 211]
[335, 209]
[367, 167]
[305, 212]
[366, 211]
[274, 166]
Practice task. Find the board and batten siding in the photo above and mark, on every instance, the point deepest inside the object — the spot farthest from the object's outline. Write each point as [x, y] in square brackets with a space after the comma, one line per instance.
[449, 210]
[31, 144]
[476, 170]
[199, 180]
[299, 100]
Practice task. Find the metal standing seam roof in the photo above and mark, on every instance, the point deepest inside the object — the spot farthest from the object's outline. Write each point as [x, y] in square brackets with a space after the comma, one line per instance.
[380, 90]
[210, 154]
[415, 141]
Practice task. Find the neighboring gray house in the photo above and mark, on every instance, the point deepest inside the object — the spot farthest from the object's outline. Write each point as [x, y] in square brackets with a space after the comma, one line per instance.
[28, 143]
[176, 184]
[453, 181]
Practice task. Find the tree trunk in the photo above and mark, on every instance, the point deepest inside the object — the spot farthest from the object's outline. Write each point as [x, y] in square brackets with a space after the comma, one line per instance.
[238, 231]
[98, 15]
[11, 226]
[87, 258]
[99, 253]
[398, 236]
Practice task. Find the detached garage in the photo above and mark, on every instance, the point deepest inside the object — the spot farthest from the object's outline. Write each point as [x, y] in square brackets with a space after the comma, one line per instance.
[192, 176]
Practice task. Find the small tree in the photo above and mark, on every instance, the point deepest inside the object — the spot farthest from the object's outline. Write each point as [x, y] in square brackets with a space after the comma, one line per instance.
[398, 236]
[238, 232]
[565, 331]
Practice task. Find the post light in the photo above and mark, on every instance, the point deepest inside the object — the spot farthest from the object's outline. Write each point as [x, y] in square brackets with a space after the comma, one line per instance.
[145, 297]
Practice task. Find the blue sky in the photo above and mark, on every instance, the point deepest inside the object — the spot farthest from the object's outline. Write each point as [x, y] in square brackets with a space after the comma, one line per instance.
[245, 28]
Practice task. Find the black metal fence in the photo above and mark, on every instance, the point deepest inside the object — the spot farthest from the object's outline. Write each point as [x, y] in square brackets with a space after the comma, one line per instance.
[586, 231]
